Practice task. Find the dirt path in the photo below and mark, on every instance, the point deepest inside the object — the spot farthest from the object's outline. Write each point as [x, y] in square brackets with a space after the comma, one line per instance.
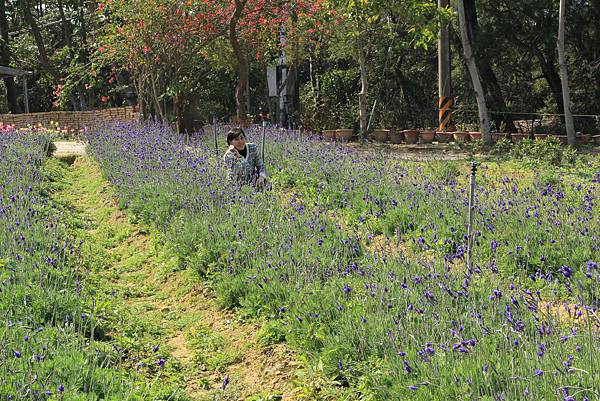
[169, 307]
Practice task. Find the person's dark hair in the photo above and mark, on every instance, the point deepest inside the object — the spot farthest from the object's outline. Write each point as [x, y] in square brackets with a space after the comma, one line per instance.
[234, 133]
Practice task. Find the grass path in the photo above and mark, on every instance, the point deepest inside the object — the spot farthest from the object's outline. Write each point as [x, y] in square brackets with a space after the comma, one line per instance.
[145, 300]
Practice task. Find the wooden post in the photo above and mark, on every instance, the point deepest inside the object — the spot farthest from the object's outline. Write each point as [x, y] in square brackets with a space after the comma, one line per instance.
[25, 94]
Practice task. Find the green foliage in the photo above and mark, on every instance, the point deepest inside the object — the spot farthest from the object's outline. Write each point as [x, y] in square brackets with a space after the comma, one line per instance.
[270, 333]
[545, 152]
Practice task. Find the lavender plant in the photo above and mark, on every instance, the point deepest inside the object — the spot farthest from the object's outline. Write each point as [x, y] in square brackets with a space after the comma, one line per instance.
[360, 257]
[49, 346]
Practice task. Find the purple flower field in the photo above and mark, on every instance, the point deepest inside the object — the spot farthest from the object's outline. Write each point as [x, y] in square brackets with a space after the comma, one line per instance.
[360, 260]
[49, 348]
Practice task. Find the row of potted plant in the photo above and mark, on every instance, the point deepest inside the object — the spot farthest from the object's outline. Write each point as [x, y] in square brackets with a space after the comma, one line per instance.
[413, 136]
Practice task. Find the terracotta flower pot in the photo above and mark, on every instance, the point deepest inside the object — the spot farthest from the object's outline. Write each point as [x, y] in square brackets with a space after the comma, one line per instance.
[396, 136]
[563, 139]
[329, 135]
[496, 136]
[427, 136]
[596, 139]
[461, 136]
[381, 135]
[517, 137]
[411, 136]
[344, 134]
[475, 135]
[584, 139]
[443, 137]
[539, 137]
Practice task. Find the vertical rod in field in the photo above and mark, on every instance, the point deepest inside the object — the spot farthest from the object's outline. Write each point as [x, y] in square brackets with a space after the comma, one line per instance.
[471, 211]
[215, 136]
[264, 130]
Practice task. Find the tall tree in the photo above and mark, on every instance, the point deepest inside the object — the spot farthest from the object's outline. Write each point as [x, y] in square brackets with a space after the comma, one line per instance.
[39, 40]
[564, 76]
[489, 81]
[242, 61]
[6, 55]
[484, 121]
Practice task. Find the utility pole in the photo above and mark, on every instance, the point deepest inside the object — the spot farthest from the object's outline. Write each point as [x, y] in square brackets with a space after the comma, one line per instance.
[445, 101]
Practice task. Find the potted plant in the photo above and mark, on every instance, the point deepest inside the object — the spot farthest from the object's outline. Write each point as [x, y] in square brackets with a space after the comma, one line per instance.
[344, 134]
[461, 136]
[411, 136]
[329, 135]
[380, 135]
[516, 137]
[443, 136]
[427, 136]
[583, 139]
[563, 139]
[497, 136]
[596, 139]
[475, 135]
[396, 136]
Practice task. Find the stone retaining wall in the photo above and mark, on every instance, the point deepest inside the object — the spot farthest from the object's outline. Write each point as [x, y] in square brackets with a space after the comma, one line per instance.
[72, 120]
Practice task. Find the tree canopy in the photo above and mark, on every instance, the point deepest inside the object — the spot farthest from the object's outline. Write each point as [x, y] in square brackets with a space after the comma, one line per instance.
[351, 63]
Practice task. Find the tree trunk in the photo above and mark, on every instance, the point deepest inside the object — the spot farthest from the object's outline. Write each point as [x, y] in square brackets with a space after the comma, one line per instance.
[6, 56]
[489, 81]
[362, 96]
[66, 26]
[564, 77]
[39, 41]
[243, 67]
[551, 76]
[484, 121]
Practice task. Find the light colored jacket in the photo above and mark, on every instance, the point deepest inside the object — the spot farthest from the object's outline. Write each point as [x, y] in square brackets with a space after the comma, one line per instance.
[245, 170]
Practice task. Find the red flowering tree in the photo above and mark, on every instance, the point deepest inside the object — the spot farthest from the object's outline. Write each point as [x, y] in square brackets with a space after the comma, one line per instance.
[161, 41]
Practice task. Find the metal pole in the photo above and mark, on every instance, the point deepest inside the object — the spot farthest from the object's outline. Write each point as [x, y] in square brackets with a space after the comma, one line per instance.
[471, 211]
[215, 135]
[264, 129]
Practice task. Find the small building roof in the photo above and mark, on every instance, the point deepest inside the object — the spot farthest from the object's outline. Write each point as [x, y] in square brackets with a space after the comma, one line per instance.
[12, 72]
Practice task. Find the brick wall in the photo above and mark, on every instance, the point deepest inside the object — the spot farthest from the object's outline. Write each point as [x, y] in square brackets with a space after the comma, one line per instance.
[71, 119]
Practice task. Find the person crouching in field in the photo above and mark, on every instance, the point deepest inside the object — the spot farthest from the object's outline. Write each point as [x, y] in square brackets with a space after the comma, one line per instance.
[243, 162]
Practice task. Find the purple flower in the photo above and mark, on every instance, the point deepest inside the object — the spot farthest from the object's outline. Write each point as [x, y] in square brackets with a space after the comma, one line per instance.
[61, 388]
[225, 383]
[155, 348]
[17, 354]
[539, 372]
[347, 289]
[566, 271]
[407, 367]
[160, 362]
[412, 387]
